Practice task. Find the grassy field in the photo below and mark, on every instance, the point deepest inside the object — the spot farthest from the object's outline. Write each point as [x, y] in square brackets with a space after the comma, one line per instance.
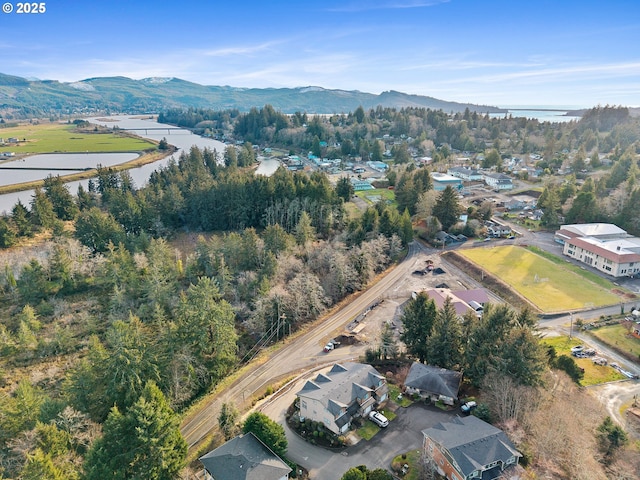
[593, 374]
[55, 137]
[385, 193]
[617, 337]
[550, 286]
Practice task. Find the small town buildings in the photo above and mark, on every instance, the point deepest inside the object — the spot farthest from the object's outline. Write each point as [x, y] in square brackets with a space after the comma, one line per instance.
[435, 383]
[498, 181]
[468, 448]
[603, 246]
[244, 457]
[442, 181]
[378, 166]
[466, 174]
[361, 185]
[346, 391]
[475, 299]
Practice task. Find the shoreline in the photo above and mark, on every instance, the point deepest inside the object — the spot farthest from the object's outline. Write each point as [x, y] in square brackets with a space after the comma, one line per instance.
[144, 158]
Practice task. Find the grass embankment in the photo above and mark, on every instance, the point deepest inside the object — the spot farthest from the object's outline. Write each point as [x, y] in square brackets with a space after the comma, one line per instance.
[138, 162]
[549, 285]
[64, 138]
[593, 374]
[619, 339]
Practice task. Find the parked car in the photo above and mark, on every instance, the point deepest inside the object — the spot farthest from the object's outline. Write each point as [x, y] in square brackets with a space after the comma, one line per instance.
[378, 418]
[577, 349]
[468, 406]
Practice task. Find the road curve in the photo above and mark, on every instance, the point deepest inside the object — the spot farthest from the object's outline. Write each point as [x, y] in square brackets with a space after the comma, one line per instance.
[296, 354]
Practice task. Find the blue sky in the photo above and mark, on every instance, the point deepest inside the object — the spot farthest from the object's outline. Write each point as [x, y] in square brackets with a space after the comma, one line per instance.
[529, 52]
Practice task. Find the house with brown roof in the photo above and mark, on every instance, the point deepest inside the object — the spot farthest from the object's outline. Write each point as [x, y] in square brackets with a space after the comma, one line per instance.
[468, 448]
[346, 391]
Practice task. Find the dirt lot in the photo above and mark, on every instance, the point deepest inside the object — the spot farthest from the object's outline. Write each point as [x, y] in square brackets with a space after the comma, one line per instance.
[368, 327]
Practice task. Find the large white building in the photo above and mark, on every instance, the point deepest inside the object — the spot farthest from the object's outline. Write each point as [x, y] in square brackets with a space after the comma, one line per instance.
[603, 246]
[442, 181]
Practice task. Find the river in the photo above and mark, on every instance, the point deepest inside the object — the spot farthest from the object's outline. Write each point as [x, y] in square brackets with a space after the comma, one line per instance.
[181, 138]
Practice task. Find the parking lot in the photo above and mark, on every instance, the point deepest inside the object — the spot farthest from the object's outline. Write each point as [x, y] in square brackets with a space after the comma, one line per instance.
[403, 434]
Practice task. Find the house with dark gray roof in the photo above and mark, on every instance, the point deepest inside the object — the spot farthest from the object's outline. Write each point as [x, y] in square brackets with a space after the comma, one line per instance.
[346, 391]
[468, 448]
[438, 384]
[244, 457]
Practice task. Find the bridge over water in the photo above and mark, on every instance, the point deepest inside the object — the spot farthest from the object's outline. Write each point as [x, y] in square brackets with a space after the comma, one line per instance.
[178, 130]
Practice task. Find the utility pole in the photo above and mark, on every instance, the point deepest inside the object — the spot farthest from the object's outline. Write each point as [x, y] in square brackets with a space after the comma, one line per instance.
[570, 324]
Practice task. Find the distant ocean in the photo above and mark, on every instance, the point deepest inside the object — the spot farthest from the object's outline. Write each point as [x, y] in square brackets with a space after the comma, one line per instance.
[542, 113]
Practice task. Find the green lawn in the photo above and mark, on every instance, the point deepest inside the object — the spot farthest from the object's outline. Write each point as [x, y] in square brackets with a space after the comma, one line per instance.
[369, 429]
[618, 337]
[394, 391]
[550, 286]
[412, 458]
[593, 374]
[55, 137]
[385, 193]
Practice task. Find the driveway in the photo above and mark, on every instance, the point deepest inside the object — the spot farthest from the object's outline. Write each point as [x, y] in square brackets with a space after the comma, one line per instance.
[402, 435]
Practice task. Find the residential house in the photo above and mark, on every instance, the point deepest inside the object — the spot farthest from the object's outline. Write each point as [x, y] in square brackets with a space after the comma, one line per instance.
[475, 300]
[531, 172]
[435, 383]
[514, 204]
[466, 174]
[498, 181]
[345, 392]
[467, 448]
[378, 166]
[244, 457]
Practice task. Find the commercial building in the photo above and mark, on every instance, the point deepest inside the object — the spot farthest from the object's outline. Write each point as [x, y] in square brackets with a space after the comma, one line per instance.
[603, 246]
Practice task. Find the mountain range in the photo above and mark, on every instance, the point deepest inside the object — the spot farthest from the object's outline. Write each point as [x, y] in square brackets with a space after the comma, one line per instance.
[24, 98]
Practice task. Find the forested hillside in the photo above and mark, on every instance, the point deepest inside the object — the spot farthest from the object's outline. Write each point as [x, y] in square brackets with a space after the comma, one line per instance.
[110, 314]
[113, 323]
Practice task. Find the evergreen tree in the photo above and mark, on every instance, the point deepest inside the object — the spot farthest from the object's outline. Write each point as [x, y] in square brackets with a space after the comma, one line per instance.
[344, 189]
[611, 438]
[144, 442]
[42, 213]
[418, 319]
[7, 234]
[228, 420]
[269, 432]
[447, 208]
[445, 343]
[20, 217]
[62, 201]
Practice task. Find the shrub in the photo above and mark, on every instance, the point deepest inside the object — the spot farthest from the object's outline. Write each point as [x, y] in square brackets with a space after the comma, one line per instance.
[569, 365]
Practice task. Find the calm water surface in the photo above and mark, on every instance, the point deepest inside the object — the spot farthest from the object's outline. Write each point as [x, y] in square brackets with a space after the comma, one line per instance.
[182, 139]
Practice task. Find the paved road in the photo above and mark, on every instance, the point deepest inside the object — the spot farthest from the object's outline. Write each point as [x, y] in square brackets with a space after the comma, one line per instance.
[298, 354]
[403, 434]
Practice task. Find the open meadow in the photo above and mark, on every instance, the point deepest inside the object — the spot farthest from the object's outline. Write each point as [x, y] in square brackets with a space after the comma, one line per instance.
[56, 137]
[548, 285]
